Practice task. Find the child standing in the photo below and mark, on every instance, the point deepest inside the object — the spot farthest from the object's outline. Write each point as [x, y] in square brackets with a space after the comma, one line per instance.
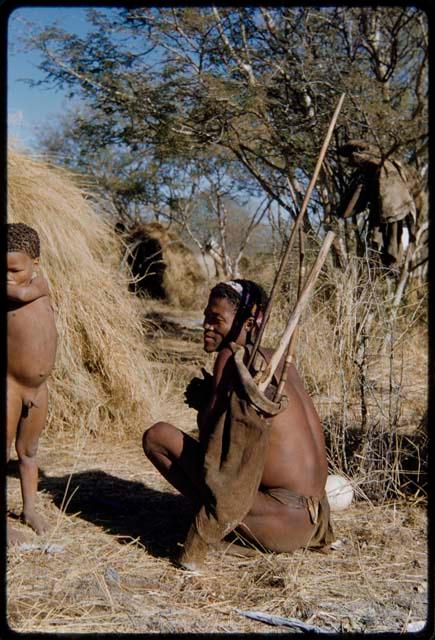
[32, 341]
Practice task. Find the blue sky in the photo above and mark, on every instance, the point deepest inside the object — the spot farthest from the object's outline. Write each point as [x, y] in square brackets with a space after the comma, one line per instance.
[29, 108]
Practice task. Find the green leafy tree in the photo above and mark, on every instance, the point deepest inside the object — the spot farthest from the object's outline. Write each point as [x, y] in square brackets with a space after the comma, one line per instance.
[258, 84]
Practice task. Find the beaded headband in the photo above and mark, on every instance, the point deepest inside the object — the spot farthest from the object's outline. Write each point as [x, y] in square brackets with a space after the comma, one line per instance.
[238, 288]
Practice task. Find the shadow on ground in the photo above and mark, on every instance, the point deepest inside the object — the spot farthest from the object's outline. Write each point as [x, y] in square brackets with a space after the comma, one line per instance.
[121, 507]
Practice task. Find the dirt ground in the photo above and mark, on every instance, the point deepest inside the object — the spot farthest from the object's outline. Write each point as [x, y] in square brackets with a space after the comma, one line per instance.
[106, 565]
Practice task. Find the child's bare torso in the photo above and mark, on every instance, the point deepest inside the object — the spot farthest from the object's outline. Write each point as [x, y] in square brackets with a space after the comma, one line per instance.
[32, 341]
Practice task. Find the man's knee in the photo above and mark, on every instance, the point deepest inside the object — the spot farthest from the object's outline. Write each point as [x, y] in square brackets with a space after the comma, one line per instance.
[154, 439]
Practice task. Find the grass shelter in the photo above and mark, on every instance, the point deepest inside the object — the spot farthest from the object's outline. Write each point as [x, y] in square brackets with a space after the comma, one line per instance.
[163, 266]
[104, 375]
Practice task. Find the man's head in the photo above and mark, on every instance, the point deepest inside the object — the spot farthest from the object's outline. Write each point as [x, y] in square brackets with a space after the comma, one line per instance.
[234, 311]
[23, 249]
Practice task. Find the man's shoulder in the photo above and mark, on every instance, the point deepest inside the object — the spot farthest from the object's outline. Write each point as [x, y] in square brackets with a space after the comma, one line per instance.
[224, 353]
[224, 363]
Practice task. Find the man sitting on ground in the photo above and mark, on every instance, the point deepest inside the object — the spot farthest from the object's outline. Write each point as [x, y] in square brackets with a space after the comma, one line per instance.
[290, 509]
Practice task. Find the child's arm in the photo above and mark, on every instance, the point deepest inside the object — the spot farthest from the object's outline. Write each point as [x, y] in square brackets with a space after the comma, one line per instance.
[37, 288]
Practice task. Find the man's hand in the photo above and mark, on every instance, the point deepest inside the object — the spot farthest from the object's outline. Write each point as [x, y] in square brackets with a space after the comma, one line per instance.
[198, 391]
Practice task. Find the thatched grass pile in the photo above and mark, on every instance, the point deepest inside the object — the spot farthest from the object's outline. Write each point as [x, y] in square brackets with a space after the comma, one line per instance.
[103, 379]
[164, 267]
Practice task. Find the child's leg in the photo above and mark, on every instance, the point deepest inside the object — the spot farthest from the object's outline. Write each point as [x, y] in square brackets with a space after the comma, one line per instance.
[14, 409]
[13, 413]
[29, 431]
[177, 456]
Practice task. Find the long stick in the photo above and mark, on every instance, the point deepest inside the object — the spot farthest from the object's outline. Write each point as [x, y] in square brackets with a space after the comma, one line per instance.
[352, 202]
[295, 227]
[266, 376]
[292, 344]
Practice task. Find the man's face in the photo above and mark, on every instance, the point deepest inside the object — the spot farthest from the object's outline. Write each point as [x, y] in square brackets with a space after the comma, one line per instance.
[20, 268]
[219, 316]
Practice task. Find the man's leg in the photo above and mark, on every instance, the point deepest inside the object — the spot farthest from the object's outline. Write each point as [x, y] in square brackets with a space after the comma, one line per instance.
[269, 523]
[276, 526]
[177, 456]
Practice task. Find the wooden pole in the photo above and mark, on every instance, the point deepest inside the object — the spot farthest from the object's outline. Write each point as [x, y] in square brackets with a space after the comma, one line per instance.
[295, 227]
[292, 344]
[264, 377]
[352, 202]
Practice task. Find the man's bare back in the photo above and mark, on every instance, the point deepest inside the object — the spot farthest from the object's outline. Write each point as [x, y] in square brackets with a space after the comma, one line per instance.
[296, 456]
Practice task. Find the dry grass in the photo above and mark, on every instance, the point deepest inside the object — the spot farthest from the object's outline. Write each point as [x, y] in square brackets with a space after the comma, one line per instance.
[367, 374]
[117, 522]
[105, 375]
[183, 281]
[120, 523]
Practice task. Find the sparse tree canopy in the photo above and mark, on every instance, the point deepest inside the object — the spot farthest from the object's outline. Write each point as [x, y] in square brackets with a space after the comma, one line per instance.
[254, 87]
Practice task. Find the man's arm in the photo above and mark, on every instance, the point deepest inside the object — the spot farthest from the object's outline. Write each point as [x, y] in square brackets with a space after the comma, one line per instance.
[223, 374]
[37, 288]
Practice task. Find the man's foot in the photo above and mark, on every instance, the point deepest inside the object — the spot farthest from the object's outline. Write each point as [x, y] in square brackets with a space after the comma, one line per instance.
[234, 549]
[16, 537]
[191, 567]
[189, 562]
[193, 552]
[35, 521]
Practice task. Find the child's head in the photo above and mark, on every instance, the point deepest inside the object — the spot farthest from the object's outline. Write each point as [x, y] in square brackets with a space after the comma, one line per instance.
[23, 249]
[234, 311]
[22, 239]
